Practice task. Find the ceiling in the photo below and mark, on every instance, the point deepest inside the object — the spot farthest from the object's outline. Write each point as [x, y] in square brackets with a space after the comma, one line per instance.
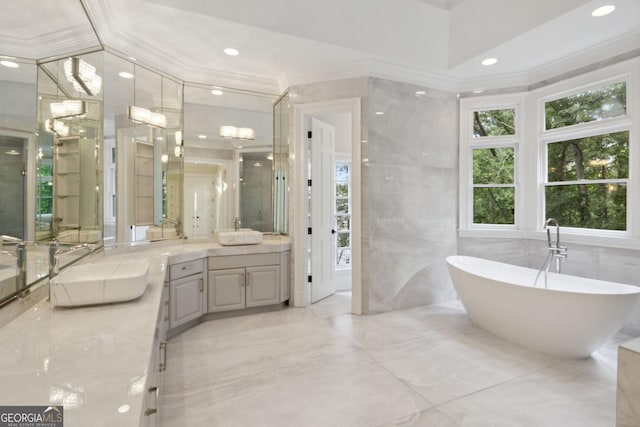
[436, 43]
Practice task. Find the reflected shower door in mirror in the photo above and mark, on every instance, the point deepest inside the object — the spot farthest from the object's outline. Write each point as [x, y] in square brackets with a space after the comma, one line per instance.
[256, 207]
[14, 183]
[280, 164]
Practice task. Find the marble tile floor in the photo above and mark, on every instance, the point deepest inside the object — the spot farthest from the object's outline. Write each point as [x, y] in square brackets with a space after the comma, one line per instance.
[426, 366]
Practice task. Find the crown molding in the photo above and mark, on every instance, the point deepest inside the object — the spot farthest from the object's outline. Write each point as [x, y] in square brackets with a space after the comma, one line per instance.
[54, 43]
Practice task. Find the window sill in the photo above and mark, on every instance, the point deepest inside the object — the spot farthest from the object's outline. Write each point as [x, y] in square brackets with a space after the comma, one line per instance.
[566, 236]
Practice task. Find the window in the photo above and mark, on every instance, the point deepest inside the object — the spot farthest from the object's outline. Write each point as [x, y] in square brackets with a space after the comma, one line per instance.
[342, 215]
[490, 149]
[587, 158]
[567, 150]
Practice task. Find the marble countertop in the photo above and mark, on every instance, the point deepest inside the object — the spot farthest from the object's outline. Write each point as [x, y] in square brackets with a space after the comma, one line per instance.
[93, 360]
[632, 345]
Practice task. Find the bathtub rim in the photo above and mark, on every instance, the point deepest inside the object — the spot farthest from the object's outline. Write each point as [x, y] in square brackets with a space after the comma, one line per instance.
[605, 286]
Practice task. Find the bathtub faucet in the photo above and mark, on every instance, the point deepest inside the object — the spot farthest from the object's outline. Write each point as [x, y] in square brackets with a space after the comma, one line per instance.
[557, 251]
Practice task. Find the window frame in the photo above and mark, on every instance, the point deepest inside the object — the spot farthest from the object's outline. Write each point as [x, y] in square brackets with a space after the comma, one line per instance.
[532, 162]
[468, 143]
[342, 160]
[583, 130]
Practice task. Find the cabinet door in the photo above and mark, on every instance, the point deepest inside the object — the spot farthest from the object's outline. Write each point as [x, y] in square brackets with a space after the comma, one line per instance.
[263, 285]
[186, 300]
[226, 289]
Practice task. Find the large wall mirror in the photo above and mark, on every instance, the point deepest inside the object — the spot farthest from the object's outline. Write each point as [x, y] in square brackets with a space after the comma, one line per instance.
[17, 167]
[228, 164]
[69, 150]
[143, 151]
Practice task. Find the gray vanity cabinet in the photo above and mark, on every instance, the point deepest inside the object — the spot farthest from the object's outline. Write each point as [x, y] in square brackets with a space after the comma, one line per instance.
[243, 281]
[187, 292]
[226, 289]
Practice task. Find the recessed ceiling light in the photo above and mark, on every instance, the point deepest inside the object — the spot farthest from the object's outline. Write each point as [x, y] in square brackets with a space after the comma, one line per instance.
[231, 51]
[12, 153]
[478, 91]
[420, 92]
[132, 58]
[9, 64]
[202, 136]
[489, 61]
[125, 75]
[217, 92]
[379, 113]
[603, 10]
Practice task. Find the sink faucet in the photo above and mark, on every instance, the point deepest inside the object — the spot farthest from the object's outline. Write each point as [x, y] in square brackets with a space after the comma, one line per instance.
[21, 258]
[236, 224]
[55, 250]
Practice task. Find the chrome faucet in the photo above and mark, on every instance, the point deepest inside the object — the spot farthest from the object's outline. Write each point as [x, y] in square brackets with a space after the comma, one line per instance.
[55, 250]
[21, 257]
[236, 224]
[556, 252]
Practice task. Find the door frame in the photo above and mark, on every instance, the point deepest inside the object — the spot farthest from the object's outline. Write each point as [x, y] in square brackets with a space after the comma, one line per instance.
[298, 209]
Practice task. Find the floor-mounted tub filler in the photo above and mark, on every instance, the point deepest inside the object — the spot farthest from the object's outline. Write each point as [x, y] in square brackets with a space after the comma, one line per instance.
[571, 318]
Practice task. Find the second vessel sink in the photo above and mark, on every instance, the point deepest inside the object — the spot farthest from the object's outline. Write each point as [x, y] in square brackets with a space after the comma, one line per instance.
[100, 283]
[244, 236]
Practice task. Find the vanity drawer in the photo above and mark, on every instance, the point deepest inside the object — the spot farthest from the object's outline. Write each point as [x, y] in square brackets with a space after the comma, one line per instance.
[184, 269]
[240, 261]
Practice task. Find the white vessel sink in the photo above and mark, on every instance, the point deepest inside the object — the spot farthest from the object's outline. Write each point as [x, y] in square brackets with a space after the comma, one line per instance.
[244, 236]
[100, 283]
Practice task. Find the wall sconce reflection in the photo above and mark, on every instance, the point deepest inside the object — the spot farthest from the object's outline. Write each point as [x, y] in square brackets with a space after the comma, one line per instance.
[56, 127]
[147, 117]
[232, 132]
[83, 76]
[68, 109]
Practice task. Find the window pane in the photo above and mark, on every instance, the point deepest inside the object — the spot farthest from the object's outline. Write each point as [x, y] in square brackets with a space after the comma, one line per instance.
[343, 257]
[493, 205]
[596, 104]
[342, 172]
[342, 222]
[342, 206]
[595, 157]
[493, 165]
[599, 206]
[342, 190]
[493, 123]
[343, 241]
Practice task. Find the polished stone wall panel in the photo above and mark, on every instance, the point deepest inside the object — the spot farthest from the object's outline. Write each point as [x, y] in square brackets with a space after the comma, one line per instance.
[412, 194]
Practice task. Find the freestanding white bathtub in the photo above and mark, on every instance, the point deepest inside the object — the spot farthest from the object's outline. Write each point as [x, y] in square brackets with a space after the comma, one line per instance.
[572, 318]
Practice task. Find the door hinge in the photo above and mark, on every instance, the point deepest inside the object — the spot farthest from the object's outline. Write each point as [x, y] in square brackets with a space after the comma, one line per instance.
[308, 230]
[308, 183]
[309, 134]
[308, 279]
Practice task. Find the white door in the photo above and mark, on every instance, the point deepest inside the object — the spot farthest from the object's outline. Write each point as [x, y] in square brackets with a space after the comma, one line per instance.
[199, 205]
[322, 182]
